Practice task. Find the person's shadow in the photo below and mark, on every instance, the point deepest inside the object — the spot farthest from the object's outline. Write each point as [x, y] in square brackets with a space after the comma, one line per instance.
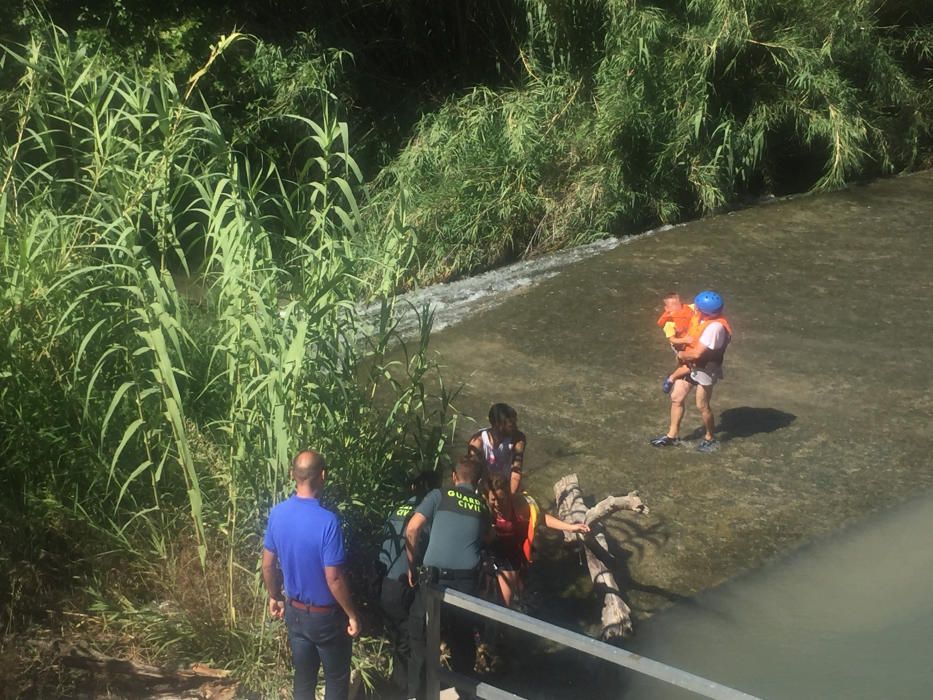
[745, 421]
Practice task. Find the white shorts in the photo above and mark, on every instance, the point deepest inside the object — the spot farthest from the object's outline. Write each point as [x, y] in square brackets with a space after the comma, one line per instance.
[708, 375]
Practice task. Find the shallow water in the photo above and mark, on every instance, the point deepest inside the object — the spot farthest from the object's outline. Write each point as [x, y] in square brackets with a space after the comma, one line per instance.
[453, 302]
[850, 616]
[824, 415]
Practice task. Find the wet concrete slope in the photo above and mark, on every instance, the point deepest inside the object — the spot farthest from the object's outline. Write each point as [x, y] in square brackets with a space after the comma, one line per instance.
[825, 410]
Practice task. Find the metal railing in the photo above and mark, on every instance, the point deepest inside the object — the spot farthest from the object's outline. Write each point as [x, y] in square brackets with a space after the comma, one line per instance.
[436, 595]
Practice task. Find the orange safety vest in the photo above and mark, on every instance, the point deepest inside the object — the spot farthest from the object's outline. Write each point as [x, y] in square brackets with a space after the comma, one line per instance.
[679, 320]
[534, 512]
[696, 328]
[523, 531]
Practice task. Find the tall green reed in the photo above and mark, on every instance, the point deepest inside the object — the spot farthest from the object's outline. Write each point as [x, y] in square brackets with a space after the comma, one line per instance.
[632, 114]
[178, 319]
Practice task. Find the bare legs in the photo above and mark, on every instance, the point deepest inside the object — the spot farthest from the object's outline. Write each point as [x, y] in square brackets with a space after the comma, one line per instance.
[703, 398]
[680, 373]
[510, 584]
[678, 394]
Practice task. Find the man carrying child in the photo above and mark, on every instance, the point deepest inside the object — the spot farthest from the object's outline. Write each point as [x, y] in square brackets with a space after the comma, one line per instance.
[701, 350]
[675, 322]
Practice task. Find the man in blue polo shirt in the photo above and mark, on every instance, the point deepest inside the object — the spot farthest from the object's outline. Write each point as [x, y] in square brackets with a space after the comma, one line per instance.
[303, 549]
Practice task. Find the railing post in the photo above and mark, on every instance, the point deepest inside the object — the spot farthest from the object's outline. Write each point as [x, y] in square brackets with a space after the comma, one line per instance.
[432, 658]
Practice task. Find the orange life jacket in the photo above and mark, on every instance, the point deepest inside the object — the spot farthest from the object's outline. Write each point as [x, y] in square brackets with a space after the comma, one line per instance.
[679, 320]
[521, 532]
[695, 330]
[534, 512]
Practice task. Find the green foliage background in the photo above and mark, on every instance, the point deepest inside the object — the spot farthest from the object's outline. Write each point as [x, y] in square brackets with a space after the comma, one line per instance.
[513, 127]
[631, 114]
[178, 319]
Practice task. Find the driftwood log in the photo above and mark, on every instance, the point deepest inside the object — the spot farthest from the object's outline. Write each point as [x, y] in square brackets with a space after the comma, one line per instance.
[616, 615]
[198, 682]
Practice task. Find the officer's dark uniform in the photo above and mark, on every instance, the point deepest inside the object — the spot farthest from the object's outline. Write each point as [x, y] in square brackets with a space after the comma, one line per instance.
[459, 521]
[396, 596]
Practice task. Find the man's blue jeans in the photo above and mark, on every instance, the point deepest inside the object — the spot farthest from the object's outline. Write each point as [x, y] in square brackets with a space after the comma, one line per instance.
[316, 639]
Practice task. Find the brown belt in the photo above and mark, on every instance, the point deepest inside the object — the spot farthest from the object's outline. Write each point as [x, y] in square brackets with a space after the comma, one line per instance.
[310, 608]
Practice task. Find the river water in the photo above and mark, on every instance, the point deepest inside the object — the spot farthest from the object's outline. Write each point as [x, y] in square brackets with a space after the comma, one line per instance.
[824, 418]
[850, 616]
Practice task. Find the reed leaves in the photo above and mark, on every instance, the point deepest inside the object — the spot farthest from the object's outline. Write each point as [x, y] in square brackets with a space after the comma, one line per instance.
[632, 114]
[178, 319]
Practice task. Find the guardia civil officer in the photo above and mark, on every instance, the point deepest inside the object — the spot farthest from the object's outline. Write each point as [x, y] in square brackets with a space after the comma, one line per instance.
[303, 549]
[395, 593]
[460, 524]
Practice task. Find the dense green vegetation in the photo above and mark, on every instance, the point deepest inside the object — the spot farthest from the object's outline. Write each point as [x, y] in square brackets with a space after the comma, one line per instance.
[177, 320]
[632, 114]
[514, 127]
[185, 234]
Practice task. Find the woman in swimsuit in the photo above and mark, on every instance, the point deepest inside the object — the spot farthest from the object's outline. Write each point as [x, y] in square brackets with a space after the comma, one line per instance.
[501, 446]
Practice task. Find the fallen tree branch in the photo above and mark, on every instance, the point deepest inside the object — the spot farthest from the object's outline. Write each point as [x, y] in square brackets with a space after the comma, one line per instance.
[199, 681]
[613, 504]
[616, 617]
[570, 506]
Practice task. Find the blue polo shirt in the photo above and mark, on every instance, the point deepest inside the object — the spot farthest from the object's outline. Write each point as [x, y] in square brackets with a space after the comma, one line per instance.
[305, 537]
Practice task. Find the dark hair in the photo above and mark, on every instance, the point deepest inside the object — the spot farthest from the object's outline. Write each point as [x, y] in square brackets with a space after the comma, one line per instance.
[499, 413]
[425, 481]
[671, 295]
[467, 469]
[497, 482]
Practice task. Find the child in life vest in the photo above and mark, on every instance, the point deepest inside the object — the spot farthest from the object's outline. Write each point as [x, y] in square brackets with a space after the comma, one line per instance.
[674, 321]
[515, 518]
